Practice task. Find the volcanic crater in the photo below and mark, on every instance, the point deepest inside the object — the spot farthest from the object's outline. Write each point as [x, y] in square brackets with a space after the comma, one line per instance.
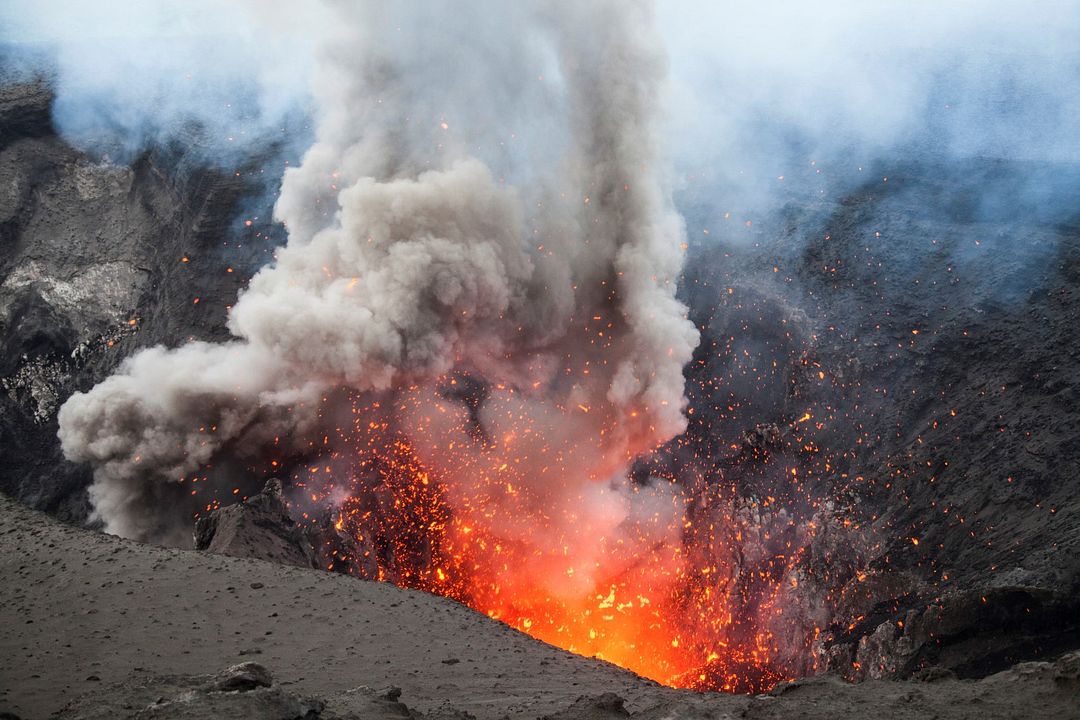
[870, 504]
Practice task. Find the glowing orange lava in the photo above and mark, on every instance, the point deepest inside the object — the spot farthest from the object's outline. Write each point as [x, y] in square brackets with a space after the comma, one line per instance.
[678, 611]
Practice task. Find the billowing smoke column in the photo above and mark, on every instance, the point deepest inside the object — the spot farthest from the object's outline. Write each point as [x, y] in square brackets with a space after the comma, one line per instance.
[431, 240]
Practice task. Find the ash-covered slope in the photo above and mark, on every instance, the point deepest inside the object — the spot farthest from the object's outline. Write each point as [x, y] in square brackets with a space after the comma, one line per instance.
[97, 627]
[96, 260]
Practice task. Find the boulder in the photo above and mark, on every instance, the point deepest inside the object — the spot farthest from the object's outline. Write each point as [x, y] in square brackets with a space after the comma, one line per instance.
[259, 528]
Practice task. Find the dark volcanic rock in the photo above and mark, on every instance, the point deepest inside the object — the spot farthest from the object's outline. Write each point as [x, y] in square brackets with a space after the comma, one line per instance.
[966, 634]
[260, 527]
[25, 110]
[925, 327]
[96, 261]
[1067, 669]
[337, 550]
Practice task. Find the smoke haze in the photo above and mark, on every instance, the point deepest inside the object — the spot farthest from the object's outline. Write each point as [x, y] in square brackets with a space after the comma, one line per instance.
[762, 90]
[759, 89]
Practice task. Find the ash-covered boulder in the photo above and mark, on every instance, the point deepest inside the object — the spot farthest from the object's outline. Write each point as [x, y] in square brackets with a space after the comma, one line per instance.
[260, 528]
[241, 691]
[607, 706]
[242, 678]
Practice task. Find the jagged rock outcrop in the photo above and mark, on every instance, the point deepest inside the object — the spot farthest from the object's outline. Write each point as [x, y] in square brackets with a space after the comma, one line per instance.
[337, 550]
[966, 634]
[260, 527]
[25, 110]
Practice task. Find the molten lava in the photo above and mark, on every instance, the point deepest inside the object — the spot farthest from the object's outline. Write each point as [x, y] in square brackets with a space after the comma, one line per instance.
[673, 595]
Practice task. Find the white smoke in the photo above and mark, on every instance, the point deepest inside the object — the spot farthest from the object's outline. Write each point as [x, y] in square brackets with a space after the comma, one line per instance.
[128, 76]
[763, 87]
[426, 235]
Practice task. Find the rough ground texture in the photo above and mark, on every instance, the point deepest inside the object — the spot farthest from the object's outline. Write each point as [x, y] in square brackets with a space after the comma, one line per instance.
[100, 627]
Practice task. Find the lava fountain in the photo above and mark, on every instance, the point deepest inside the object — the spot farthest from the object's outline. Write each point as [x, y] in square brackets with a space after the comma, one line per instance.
[469, 337]
[641, 574]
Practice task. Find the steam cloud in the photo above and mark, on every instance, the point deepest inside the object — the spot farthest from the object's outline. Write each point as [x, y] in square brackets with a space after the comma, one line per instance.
[411, 256]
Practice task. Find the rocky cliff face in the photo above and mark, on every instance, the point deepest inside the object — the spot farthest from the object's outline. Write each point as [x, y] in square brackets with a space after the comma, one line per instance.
[97, 260]
[925, 320]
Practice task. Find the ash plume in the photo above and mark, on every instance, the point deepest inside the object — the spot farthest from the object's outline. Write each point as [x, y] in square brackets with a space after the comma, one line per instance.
[419, 246]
